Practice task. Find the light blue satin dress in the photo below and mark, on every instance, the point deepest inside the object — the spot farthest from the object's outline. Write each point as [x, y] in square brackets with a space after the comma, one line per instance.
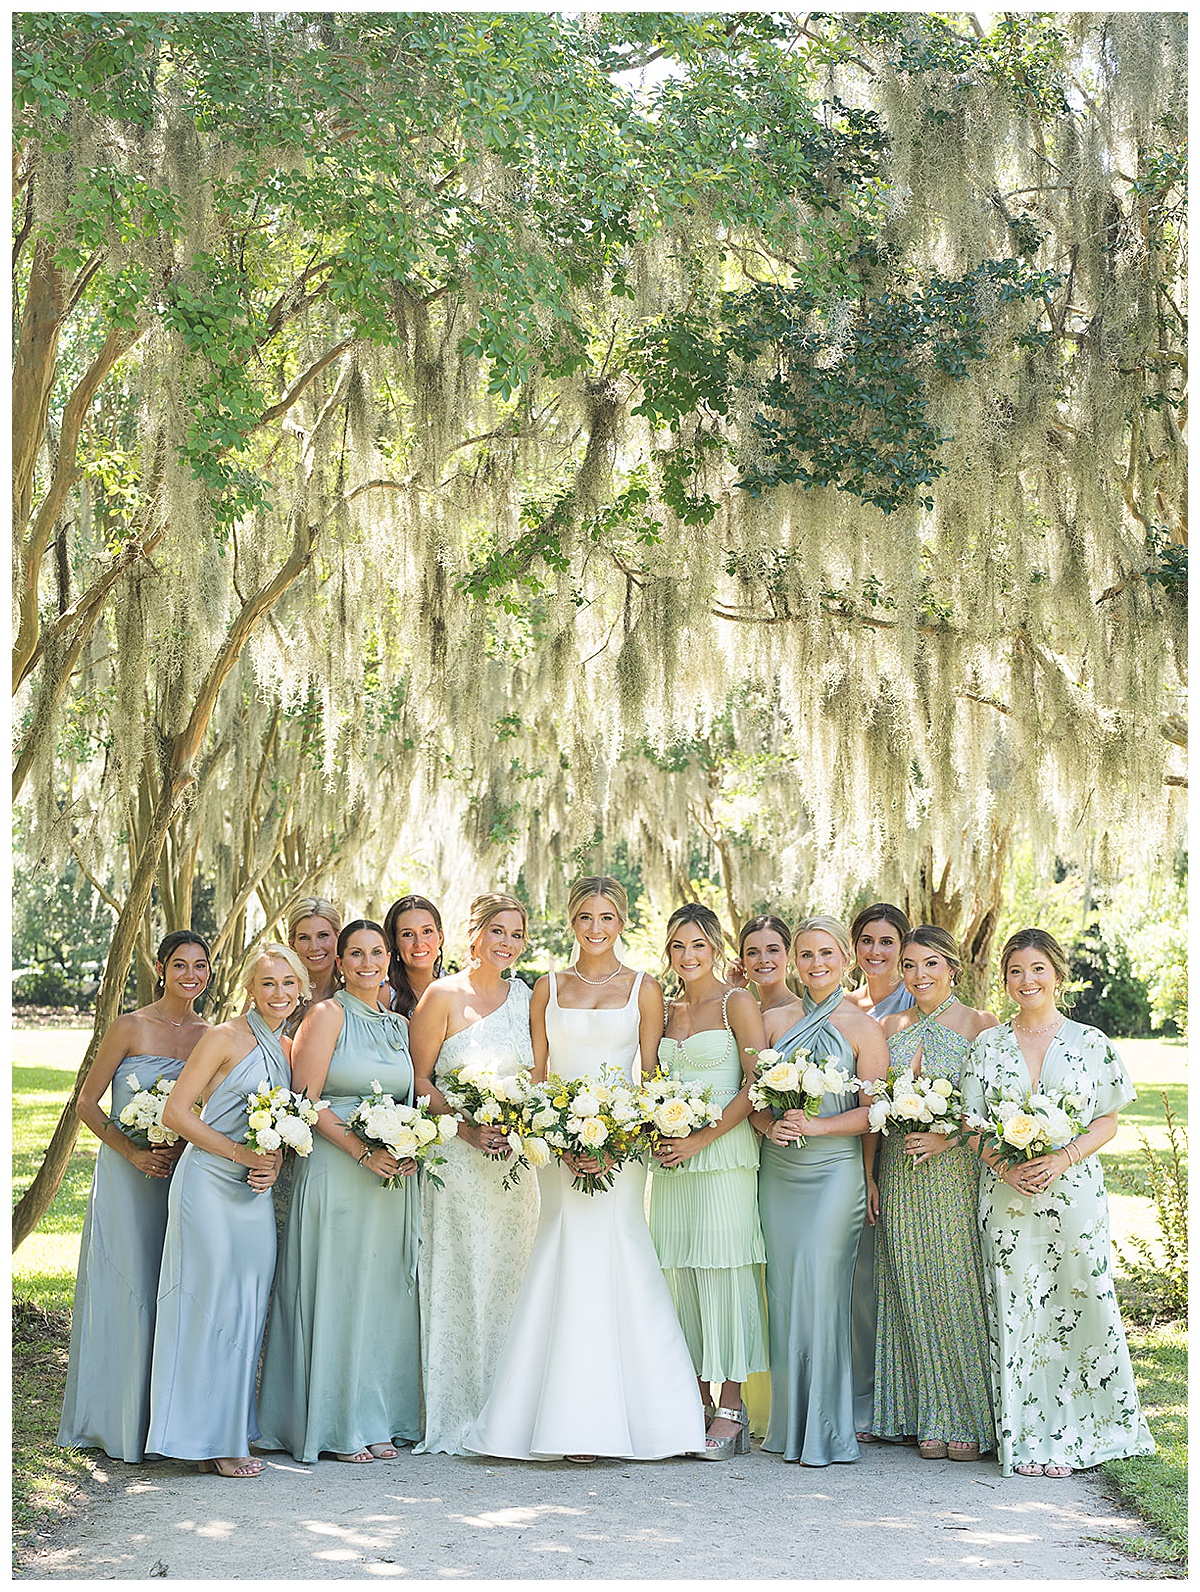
[107, 1399]
[218, 1260]
[812, 1201]
[343, 1366]
[863, 1303]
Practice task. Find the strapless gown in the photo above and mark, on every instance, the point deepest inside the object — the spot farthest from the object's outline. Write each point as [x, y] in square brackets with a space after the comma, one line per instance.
[107, 1399]
[595, 1361]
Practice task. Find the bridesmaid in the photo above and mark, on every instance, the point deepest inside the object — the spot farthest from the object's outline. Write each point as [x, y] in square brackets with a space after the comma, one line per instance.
[703, 1198]
[107, 1400]
[1061, 1377]
[931, 1357]
[476, 1236]
[413, 931]
[812, 1200]
[341, 1371]
[313, 928]
[219, 1253]
[876, 935]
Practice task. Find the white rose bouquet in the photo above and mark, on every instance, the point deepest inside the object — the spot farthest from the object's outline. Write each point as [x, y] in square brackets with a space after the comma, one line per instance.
[280, 1119]
[410, 1133]
[141, 1120]
[795, 1083]
[1020, 1127]
[602, 1117]
[913, 1104]
[675, 1107]
[479, 1095]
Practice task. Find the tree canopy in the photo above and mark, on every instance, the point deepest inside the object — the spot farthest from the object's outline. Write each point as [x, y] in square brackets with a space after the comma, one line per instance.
[461, 442]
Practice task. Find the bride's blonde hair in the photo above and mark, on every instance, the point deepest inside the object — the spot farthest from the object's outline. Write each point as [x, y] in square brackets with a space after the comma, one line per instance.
[598, 884]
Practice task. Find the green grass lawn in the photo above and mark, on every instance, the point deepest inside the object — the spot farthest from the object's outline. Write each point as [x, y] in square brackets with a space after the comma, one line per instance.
[44, 1065]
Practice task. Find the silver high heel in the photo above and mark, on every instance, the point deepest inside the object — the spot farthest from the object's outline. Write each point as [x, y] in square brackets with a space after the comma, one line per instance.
[727, 1447]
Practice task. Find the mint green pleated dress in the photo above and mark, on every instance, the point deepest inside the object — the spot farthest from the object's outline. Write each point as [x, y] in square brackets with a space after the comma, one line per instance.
[931, 1344]
[812, 1200]
[217, 1264]
[342, 1366]
[704, 1222]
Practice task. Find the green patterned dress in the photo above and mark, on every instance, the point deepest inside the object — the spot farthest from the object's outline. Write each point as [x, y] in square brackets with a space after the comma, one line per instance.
[931, 1347]
[1061, 1375]
[704, 1222]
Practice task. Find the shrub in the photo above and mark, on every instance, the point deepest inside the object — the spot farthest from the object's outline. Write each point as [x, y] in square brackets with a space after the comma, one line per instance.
[1108, 993]
[1152, 1289]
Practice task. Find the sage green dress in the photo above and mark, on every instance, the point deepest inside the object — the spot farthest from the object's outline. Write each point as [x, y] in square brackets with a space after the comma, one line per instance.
[931, 1346]
[342, 1366]
[812, 1199]
[704, 1222]
[1061, 1376]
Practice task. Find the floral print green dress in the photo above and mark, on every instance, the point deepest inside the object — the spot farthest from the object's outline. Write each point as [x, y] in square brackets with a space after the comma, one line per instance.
[1061, 1377]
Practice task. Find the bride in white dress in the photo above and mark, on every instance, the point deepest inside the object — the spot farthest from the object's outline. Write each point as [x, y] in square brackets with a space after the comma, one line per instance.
[475, 1234]
[594, 1361]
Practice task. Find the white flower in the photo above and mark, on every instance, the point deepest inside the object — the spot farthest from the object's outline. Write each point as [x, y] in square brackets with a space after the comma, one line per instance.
[783, 1077]
[376, 1086]
[404, 1144]
[877, 1115]
[295, 1133]
[447, 1128]
[1020, 1129]
[768, 1057]
[425, 1130]
[536, 1152]
[592, 1133]
[558, 1140]
[943, 1087]
[673, 1117]
[488, 1112]
[813, 1080]
[586, 1104]
[133, 1083]
[259, 1120]
[544, 1119]
[268, 1139]
[157, 1134]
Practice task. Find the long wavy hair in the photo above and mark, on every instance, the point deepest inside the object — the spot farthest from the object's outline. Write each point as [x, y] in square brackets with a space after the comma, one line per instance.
[404, 998]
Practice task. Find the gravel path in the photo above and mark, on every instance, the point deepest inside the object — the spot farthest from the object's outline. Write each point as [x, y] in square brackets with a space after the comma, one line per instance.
[437, 1518]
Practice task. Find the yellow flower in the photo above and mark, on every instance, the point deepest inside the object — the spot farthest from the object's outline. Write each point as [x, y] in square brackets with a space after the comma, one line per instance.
[559, 1102]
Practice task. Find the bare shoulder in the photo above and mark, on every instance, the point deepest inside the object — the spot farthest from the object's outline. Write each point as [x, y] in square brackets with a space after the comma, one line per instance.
[896, 1022]
[857, 1025]
[743, 1004]
[978, 1022]
[650, 995]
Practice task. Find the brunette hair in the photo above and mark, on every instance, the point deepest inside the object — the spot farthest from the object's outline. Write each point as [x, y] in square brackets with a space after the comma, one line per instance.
[404, 998]
[881, 912]
[353, 928]
[170, 944]
[1036, 940]
[765, 921]
[709, 924]
[939, 940]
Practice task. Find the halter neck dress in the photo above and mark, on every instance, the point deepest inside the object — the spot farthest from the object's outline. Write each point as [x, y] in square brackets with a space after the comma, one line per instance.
[862, 1301]
[931, 1353]
[218, 1261]
[594, 1361]
[476, 1237]
[704, 1221]
[107, 1400]
[342, 1364]
[812, 1201]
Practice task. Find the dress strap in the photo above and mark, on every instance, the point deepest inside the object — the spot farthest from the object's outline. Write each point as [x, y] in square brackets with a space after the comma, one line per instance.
[725, 1012]
[637, 984]
[553, 989]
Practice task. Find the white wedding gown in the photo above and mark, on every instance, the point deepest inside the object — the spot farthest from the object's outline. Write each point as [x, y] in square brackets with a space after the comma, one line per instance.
[594, 1361]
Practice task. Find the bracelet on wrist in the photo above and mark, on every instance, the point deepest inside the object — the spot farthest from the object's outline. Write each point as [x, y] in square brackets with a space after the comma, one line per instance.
[366, 1155]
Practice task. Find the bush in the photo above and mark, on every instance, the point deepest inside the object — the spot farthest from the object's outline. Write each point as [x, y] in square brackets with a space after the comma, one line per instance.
[49, 986]
[1153, 1290]
[1107, 992]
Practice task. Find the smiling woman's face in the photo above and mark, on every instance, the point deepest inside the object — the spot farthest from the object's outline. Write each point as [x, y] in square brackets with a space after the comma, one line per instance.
[820, 963]
[274, 990]
[877, 949]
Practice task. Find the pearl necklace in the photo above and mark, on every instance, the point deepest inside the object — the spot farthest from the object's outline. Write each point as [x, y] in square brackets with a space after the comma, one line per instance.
[1051, 1028]
[596, 982]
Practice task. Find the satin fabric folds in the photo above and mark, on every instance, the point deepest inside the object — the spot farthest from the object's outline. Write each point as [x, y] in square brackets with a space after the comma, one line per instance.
[812, 1202]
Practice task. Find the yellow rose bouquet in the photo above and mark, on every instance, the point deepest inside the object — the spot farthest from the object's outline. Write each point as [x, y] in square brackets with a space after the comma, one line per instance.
[1021, 1126]
[601, 1117]
[796, 1082]
[674, 1108]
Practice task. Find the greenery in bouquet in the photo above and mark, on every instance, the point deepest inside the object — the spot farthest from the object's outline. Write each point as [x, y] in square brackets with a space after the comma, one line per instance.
[1021, 1126]
[913, 1103]
[280, 1119]
[478, 1094]
[796, 1083]
[410, 1133]
[674, 1108]
[601, 1117]
[141, 1119]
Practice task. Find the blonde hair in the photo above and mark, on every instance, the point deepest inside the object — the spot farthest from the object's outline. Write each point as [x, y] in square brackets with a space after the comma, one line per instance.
[488, 906]
[313, 907]
[598, 884]
[822, 923]
[936, 939]
[273, 951]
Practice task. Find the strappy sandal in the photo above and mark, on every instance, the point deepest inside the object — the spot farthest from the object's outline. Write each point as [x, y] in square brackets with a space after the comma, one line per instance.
[933, 1449]
[1029, 1470]
[964, 1451]
[232, 1469]
[383, 1451]
[1057, 1471]
[866, 1437]
[362, 1457]
[727, 1447]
